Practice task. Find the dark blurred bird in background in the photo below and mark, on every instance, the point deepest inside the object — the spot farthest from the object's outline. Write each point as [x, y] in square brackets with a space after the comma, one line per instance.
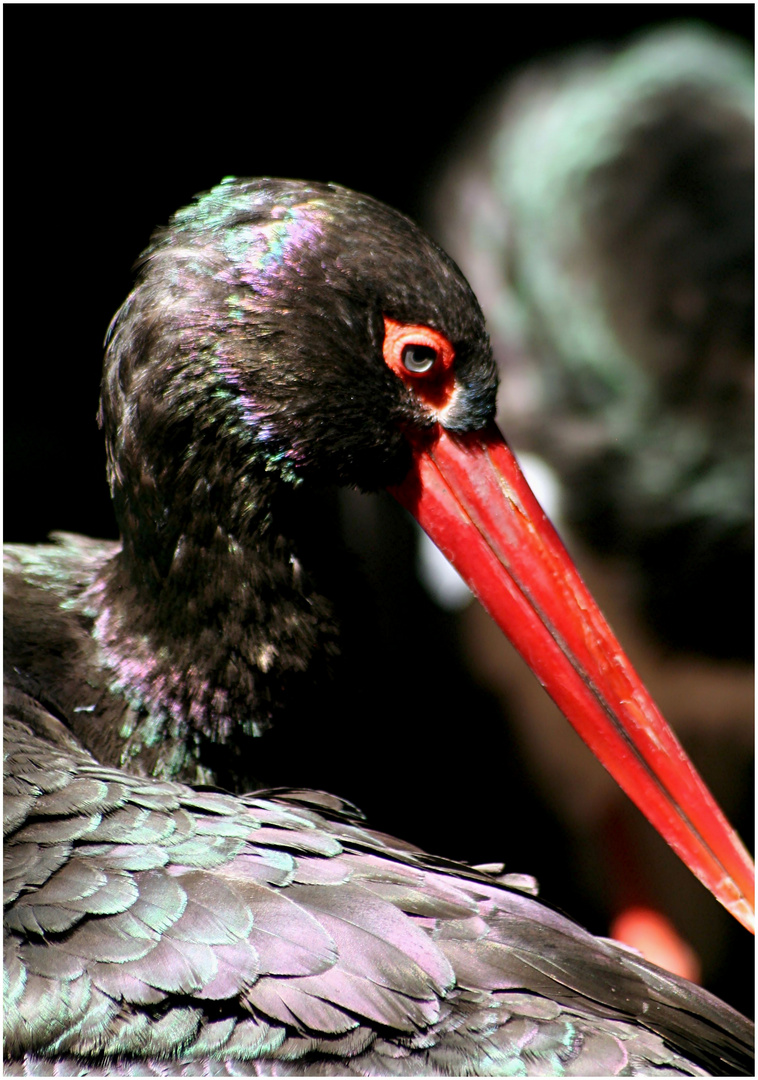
[602, 207]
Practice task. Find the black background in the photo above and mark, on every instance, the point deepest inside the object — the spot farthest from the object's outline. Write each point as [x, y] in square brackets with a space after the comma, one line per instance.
[115, 117]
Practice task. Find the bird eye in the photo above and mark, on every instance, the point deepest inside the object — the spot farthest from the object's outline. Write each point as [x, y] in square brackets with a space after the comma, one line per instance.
[414, 351]
[419, 358]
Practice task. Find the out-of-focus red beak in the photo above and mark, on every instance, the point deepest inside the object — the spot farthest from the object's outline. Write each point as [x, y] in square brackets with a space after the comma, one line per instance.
[469, 494]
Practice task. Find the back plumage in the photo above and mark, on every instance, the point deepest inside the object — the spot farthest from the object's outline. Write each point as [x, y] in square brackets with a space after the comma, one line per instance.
[153, 928]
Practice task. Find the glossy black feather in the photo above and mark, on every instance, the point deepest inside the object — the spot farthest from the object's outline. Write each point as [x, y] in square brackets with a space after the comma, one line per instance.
[391, 961]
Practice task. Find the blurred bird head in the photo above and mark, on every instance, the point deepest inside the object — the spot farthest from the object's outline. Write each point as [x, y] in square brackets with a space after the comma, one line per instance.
[604, 215]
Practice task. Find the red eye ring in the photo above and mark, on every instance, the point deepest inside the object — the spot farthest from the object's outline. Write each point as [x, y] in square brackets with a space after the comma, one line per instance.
[398, 336]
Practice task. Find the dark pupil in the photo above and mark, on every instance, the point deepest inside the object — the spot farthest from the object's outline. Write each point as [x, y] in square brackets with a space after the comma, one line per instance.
[419, 357]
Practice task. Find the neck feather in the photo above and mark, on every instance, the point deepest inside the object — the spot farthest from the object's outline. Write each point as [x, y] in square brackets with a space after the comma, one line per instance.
[211, 636]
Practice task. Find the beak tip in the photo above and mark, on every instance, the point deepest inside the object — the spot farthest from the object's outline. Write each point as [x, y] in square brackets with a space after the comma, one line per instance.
[743, 912]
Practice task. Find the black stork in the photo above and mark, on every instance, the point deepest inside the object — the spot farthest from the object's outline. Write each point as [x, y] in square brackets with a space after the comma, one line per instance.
[282, 333]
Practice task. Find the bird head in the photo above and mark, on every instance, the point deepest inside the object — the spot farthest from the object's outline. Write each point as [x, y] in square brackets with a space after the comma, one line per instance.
[301, 328]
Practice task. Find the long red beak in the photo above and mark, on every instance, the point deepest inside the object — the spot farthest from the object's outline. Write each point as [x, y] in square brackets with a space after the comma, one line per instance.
[469, 494]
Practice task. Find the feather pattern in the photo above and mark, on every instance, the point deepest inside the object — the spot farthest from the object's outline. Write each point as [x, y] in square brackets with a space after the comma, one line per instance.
[302, 943]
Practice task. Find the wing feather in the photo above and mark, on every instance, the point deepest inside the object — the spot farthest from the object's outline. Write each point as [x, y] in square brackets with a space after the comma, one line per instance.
[192, 932]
